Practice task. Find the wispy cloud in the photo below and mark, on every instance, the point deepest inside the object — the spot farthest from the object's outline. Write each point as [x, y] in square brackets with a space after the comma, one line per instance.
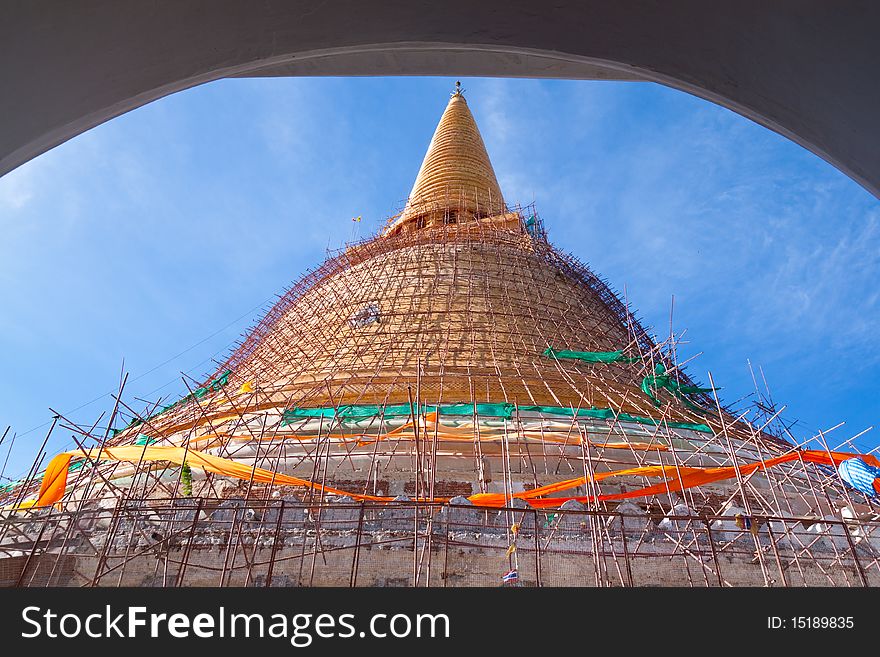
[144, 236]
[16, 189]
[770, 253]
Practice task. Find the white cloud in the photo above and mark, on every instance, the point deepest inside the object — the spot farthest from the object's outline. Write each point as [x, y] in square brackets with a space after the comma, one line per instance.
[16, 190]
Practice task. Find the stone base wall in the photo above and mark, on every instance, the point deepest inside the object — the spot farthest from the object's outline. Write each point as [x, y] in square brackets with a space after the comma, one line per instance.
[462, 560]
[344, 544]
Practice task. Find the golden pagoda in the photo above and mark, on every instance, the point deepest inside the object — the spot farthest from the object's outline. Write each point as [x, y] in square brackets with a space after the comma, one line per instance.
[453, 401]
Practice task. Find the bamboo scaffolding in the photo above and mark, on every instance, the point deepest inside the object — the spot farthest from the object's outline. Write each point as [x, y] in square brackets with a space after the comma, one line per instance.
[463, 312]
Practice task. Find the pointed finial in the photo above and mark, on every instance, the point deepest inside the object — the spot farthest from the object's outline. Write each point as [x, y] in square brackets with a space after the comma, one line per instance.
[458, 90]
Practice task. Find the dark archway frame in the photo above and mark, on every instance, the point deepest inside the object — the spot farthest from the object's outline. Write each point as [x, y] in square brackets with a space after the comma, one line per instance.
[805, 69]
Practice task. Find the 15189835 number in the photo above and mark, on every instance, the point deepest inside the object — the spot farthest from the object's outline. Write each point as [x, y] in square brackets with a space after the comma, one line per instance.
[810, 623]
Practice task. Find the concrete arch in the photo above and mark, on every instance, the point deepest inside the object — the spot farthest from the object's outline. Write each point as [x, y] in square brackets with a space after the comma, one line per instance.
[805, 69]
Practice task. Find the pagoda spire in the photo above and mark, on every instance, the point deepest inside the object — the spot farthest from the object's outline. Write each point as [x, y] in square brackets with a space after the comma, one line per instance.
[456, 182]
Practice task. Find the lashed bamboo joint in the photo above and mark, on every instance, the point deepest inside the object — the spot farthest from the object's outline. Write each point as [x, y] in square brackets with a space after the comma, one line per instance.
[452, 401]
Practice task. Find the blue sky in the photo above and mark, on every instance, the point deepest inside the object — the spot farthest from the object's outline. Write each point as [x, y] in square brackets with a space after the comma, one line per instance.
[158, 237]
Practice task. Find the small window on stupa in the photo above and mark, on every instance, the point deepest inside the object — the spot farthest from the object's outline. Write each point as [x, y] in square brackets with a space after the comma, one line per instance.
[365, 316]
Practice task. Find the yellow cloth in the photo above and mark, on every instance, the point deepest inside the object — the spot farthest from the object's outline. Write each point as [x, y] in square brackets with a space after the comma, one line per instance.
[677, 478]
[55, 478]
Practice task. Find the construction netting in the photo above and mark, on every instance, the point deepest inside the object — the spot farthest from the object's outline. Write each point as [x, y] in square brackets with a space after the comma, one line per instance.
[652, 384]
[501, 410]
[591, 356]
[212, 386]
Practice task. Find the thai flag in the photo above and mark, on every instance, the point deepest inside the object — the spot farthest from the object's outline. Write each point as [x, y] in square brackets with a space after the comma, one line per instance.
[510, 576]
